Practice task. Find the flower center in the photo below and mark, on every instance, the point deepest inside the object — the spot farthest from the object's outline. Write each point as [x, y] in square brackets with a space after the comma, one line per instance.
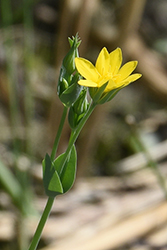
[102, 79]
[116, 78]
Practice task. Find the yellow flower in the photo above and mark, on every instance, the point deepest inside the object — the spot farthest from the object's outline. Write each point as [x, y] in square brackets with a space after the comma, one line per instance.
[107, 69]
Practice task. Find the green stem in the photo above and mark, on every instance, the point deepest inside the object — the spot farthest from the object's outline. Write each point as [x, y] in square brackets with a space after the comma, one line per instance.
[56, 142]
[41, 224]
[76, 133]
[49, 204]
[73, 138]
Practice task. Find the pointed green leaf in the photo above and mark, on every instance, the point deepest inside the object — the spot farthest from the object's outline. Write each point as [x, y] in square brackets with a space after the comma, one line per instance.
[51, 180]
[57, 163]
[68, 173]
[55, 184]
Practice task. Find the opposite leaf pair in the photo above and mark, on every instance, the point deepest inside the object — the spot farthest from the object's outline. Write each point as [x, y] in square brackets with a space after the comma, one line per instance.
[58, 178]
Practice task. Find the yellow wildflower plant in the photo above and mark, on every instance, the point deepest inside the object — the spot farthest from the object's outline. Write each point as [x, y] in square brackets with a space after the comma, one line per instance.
[107, 69]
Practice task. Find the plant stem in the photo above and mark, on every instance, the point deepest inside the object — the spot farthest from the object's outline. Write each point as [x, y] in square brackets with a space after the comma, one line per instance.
[56, 142]
[50, 201]
[76, 133]
[41, 224]
[73, 138]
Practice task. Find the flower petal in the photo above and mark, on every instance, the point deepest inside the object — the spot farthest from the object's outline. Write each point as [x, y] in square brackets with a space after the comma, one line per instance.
[115, 60]
[86, 69]
[102, 81]
[130, 79]
[110, 86]
[126, 70]
[102, 62]
[113, 85]
[87, 83]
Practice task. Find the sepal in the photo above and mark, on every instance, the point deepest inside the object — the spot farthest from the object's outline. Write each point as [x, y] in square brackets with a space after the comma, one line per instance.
[100, 97]
[108, 96]
[96, 93]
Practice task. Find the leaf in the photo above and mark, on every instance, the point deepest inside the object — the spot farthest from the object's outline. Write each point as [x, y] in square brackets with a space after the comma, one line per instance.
[55, 184]
[51, 180]
[68, 173]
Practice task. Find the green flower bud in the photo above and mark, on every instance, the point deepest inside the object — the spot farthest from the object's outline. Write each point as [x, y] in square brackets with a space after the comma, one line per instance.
[68, 62]
[63, 86]
[70, 93]
[78, 109]
[68, 88]
[80, 106]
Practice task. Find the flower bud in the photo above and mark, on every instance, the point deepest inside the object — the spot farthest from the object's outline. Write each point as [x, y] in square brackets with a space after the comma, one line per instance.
[80, 106]
[71, 92]
[68, 89]
[68, 62]
[78, 109]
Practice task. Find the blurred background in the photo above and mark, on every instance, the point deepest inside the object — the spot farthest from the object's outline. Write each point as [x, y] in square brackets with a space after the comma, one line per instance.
[119, 198]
